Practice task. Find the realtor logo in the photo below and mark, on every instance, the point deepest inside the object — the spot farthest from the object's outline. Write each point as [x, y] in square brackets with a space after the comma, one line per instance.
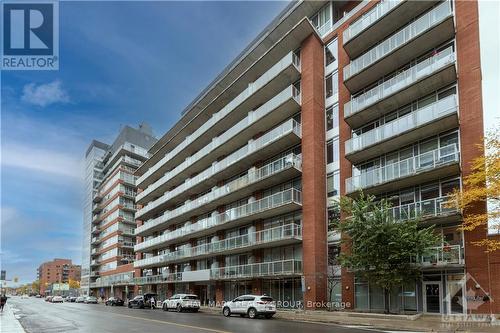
[30, 35]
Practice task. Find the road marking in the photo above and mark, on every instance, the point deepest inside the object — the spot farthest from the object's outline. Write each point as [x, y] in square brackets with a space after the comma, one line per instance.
[175, 324]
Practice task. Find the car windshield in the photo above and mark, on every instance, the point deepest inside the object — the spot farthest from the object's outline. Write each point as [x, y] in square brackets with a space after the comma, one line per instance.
[191, 297]
[266, 299]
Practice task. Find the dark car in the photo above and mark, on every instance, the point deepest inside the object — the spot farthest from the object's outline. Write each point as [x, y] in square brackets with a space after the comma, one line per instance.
[142, 301]
[114, 301]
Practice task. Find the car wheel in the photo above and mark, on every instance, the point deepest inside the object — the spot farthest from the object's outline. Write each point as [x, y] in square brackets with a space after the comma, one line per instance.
[129, 306]
[164, 307]
[226, 312]
[252, 313]
[179, 308]
[269, 316]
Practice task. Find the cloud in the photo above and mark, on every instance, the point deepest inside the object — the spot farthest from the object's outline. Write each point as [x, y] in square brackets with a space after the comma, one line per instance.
[44, 94]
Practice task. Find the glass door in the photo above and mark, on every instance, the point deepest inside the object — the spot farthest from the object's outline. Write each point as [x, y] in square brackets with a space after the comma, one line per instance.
[432, 296]
[456, 304]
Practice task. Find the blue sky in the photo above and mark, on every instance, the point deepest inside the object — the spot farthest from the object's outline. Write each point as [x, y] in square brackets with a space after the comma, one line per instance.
[119, 64]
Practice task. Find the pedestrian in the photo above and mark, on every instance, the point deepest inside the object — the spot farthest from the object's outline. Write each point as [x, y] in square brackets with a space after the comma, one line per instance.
[152, 300]
[3, 300]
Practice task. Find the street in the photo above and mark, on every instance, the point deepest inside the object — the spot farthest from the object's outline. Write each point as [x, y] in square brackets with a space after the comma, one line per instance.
[36, 315]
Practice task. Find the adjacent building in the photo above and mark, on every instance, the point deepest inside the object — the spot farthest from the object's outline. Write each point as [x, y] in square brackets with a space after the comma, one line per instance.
[109, 211]
[57, 271]
[330, 99]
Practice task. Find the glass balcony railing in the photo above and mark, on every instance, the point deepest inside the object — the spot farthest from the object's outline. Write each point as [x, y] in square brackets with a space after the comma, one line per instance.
[251, 118]
[285, 62]
[264, 269]
[290, 126]
[287, 231]
[442, 255]
[253, 176]
[408, 167]
[403, 36]
[266, 203]
[369, 18]
[400, 81]
[435, 207]
[415, 119]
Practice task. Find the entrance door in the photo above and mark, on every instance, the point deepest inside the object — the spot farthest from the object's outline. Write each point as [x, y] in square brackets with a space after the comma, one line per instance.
[456, 304]
[432, 296]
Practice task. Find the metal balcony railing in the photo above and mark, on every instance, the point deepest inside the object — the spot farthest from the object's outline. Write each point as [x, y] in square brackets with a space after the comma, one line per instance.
[435, 207]
[369, 18]
[253, 176]
[290, 126]
[403, 36]
[265, 78]
[400, 81]
[408, 167]
[413, 120]
[442, 255]
[287, 231]
[266, 203]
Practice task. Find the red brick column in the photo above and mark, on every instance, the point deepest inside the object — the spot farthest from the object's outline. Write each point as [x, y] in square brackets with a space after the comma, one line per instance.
[314, 228]
[219, 293]
[471, 132]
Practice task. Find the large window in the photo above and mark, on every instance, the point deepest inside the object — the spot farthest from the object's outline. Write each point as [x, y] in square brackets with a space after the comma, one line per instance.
[333, 184]
[332, 117]
[332, 151]
[331, 85]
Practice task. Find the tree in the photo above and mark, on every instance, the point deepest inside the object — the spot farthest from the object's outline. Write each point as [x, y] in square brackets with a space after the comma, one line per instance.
[482, 185]
[74, 284]
[382, 250]
[35, 286]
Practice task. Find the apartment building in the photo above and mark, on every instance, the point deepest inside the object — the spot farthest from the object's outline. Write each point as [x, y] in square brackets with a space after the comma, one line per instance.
[333, 97]
[57, 271]
[109, 213]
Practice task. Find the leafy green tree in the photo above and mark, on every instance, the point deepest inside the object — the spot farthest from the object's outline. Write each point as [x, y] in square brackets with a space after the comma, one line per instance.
[383, 250]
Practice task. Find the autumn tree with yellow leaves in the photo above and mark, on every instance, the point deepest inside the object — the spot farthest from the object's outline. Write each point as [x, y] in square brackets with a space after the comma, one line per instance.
[482, 185]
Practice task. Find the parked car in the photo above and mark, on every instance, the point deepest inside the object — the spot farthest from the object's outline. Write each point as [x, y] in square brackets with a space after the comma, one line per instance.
[181, 302]
[142, 301]
[25, 296]
[57, 299]
[38, 296]
[114, 301]
[251, 305]
[72, 299]
[90, 300]
[80, 299]
[48, 299]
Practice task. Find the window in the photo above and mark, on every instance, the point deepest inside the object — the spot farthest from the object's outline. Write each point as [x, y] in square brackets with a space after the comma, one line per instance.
[331, 52]
[333, 184]
[332, 117]
[332, 151]
[331, 85]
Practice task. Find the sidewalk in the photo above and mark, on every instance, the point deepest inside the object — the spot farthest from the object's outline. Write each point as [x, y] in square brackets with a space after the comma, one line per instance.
[8, 321]
[418, 323]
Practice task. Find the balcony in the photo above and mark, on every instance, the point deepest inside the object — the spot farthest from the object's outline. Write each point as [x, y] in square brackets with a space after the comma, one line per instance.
[94, 262]
[430, 30]
[273, 173]
[442, 162]
[272, 205]
[384, 18]
[431, 211]
[276, 140]
[95, 240]
[95, 230]
[266, 269]
[283, 73]
[437, 117]
[419, 80]
[279, 236]
[281, 107]
[442, 256]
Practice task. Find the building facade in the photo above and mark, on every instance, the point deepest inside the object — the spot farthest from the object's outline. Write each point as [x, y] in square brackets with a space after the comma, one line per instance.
[330, 99]
[110, 211]
[57, 271]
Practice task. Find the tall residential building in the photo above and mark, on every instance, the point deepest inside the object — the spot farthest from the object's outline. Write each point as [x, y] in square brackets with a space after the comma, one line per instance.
[57, 271]
[331, 98]
[109, 220]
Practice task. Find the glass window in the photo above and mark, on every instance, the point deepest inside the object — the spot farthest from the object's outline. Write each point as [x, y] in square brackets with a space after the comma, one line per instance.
[332, 53]
[333, 184]
[332, 117]
[331, 85]
[449, 186]
[361, 296]
[332, 151]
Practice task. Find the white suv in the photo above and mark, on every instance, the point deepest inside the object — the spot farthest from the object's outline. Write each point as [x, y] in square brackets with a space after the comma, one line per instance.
[181, 302]
[251, 305]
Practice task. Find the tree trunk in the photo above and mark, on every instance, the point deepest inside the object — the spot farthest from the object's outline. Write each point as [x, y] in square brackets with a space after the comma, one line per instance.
[386, 301]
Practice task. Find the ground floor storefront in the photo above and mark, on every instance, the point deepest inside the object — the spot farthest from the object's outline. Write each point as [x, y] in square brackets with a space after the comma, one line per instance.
[124, 292]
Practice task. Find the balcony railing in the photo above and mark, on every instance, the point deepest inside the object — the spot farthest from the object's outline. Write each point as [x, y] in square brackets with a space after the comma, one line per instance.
[285, 232]
[408, 167]
[266, 203]
[415, 119]
[251, 118]
[442, 255]
[400, 81]
[290, 126]
[265, 269]
[265, 78]
[369, 18]
[403, 36]
[253, 176]
[435, 207]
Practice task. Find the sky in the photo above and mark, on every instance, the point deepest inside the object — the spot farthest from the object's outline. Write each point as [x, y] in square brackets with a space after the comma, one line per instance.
[123, 63]
[119, 64]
